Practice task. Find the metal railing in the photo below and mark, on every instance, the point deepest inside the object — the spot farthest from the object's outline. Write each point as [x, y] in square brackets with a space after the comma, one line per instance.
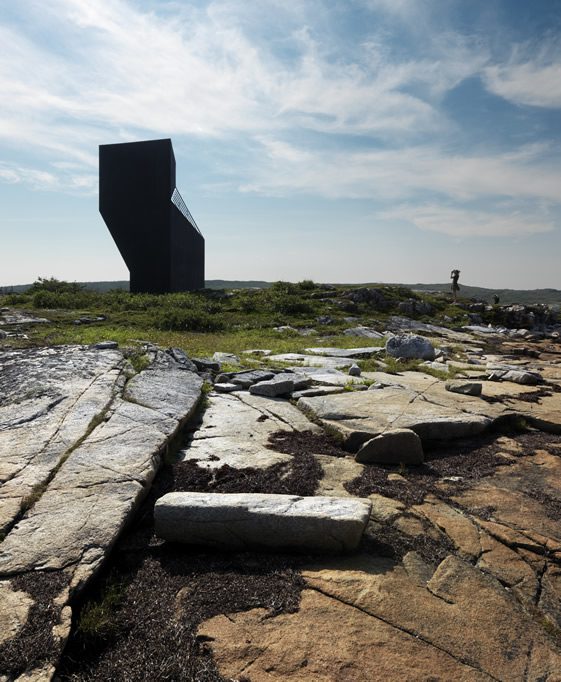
[177, 200]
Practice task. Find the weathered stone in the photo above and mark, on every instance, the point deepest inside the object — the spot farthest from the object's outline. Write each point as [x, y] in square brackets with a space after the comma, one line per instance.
[459, 611]
[364, 332]
[246, 379]
[238, 521]
[80, 460]
[354, 371]
[235, 431]
[227, 387]
[514, 375]
[106, 345]
[410, 346]
[360, 416]
[312, 360]
[317, 390]
[273, 388]
[325, 640]
[353, 353]
[14, 609]
[229, 358]
[397, 446]
[167, 387]
[203, 364]
[464, 387]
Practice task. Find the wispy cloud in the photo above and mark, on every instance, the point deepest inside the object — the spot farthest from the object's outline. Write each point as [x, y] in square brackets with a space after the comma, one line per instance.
[76, 73]
[458, 222]
[533, 83]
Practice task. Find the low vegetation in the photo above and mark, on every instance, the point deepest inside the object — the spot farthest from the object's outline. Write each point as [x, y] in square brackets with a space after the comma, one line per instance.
[202, 322]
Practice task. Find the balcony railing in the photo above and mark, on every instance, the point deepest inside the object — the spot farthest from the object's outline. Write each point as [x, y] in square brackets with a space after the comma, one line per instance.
[177, 200]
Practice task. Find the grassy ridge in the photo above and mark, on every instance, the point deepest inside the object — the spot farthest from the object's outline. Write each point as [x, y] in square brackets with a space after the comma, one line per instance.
[507, 296]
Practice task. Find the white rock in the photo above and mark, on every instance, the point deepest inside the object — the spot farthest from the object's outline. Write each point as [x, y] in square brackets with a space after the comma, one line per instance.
[237, 521]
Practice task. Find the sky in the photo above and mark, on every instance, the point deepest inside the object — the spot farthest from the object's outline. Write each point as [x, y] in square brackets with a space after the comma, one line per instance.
[333, 140]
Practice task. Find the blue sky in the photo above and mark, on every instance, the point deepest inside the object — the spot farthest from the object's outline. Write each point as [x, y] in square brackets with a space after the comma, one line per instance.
[338, 140]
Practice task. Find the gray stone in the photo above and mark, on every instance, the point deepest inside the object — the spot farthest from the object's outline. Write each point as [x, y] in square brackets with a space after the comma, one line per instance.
[464, 387]
[203, 364]
[397, 446]
[360, 416]
[106, 345]
[228, 358]
[227, 387]
[354, 371]
[182, 359]
[242, 520]
[410, 346]
[3, 334]
[246, 379]
[516, 376]
[299, 360]
[317, 390]
[258, 351]
[353, 353]
[167, 388]
[272, 388]
[364, 332]
[300, 381]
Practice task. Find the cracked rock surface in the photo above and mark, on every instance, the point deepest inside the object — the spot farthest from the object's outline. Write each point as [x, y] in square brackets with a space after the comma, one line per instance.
[80, 443]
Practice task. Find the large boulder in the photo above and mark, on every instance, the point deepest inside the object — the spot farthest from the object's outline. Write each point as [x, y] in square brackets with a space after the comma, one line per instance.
[240, 520]
[410, 347]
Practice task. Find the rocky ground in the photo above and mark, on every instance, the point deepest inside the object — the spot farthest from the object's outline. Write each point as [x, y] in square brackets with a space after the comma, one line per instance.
[457, 574]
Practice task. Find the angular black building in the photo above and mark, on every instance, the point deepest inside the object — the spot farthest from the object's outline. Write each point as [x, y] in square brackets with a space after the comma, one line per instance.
[156, 234]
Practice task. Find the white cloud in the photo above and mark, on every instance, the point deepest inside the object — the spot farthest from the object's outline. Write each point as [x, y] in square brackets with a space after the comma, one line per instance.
[462, 222]
[390, 174]
[531, 83]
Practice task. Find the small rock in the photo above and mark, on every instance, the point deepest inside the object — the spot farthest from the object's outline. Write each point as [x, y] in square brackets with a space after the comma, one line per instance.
[203, 364]
[410, 346]
[181, 358]
[3, 334]
[354, 370]
[273, 388]
[365, 332]
[516, 376]
[399, 446]
[105, 345]
[257, 351]
[464, 387]
[230, 358]
[227, 388]
[324, 319]
[247, 379]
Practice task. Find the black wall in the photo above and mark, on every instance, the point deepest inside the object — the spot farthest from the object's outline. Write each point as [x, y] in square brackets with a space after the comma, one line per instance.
[161, 248]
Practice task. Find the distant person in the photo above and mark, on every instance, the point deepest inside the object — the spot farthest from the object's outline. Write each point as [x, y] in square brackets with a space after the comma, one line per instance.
[455, 276]
[496, 299]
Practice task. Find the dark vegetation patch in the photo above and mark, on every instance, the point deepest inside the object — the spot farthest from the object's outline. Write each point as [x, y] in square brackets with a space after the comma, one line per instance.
[305, 442]
[529, 397]
[470, 460]
[164, 598]
[34, 644]
[386, 540]
[298, 477]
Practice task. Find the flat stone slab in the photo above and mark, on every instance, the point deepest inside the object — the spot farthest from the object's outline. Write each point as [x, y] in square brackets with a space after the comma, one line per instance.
[326, 362]
[238, 521]
[235, 431]
[360, 416]
[355, 353]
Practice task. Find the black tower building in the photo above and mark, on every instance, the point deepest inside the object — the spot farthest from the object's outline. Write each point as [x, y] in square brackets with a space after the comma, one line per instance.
[156, 234]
